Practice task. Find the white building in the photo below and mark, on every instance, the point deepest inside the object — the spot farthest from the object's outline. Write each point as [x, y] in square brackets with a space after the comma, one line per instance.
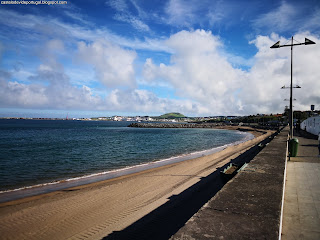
[117, 118]
[311, 125]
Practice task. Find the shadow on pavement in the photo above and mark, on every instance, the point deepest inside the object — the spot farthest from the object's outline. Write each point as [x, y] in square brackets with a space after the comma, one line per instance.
[167, 219]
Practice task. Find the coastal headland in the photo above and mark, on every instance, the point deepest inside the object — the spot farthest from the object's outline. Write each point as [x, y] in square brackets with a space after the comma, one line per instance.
[103, 209]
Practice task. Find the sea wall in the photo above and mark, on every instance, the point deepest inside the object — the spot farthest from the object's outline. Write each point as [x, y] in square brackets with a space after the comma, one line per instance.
[167, 219]
[248, 206]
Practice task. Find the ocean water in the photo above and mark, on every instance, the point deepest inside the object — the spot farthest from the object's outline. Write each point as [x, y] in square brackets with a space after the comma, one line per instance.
[36, 152]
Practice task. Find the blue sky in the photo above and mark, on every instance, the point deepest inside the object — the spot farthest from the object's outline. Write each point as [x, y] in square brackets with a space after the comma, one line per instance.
[135, 57]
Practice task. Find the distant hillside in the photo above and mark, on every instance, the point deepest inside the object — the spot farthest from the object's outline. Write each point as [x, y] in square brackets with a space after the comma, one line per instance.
[172, 115]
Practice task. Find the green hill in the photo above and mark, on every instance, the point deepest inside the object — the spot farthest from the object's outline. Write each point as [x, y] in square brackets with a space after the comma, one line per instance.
[172, 115]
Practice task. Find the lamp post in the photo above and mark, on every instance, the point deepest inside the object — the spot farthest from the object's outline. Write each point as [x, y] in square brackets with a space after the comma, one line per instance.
[277, 45]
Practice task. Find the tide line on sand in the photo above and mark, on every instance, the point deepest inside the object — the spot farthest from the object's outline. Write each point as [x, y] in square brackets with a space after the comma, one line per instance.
[101, 208]
[43, 188]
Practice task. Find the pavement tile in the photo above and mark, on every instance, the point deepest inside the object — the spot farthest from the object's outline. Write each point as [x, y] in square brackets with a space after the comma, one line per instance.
[310, 223]
[300, 178]
[291, 199]
[300, 235]
[301, 186]
[304, 192]
[291, 192]
[291, 212]
[314, 179]
[248, 206]
[316, 197]
[293, 221]
[303, 181]
[304, 199]
[314, 185]
[317, 206]
[291, 234]
[308, 209]
[291, 185]
[310, 235]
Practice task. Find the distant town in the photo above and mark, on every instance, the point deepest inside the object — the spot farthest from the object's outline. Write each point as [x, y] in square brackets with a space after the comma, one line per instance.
[262, 119]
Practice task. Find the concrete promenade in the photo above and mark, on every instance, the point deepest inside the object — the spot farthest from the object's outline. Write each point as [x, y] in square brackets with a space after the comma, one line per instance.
[301, 213]
[248, 206]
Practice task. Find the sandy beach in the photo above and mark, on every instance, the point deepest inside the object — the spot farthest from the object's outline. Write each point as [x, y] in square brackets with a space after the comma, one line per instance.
[96, 210]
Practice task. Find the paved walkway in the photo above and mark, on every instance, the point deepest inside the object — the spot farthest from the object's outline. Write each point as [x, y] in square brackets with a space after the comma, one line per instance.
[249, 205]
[301, 213]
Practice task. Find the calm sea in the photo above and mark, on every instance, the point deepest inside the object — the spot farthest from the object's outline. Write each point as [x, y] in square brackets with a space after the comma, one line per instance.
[35, 152]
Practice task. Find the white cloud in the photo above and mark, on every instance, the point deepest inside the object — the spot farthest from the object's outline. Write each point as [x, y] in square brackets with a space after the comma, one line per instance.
[50, 87]
[306, 62]
[119, 5]
[179, 13]
[191, 13]
[199, 72]
[272, 70]
[113, 65]
[141, 13]
[55, 45]
[223, 12]
[202, 77]
[124, 15]
[77, 17]
[279, 19]
[14, 94]
[58, 93]
[147, 102]
[194, 43]
[36, 29]
[313, 21]
[134, 21]
[289, 17]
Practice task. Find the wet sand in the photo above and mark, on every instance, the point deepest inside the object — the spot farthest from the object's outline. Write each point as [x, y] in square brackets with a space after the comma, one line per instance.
[96, 210]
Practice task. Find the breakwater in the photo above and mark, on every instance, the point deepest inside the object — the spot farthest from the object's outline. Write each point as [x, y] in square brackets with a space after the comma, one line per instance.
[173, 125]
[243, 128]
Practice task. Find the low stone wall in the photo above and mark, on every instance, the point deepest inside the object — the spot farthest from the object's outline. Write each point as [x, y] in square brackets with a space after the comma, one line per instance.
[248, 206]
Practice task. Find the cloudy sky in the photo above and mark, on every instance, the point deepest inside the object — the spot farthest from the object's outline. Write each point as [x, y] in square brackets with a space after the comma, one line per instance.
[141, 57]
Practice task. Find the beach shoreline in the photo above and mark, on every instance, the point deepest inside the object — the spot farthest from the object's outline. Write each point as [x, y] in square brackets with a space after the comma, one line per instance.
[47, 187]
[110, 205]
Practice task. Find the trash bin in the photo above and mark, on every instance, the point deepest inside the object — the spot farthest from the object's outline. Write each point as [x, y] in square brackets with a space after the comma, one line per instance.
[293, 147]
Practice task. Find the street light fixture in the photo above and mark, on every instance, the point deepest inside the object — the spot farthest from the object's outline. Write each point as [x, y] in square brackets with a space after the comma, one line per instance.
[284, 87]
[289, 99]
[277, 45]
